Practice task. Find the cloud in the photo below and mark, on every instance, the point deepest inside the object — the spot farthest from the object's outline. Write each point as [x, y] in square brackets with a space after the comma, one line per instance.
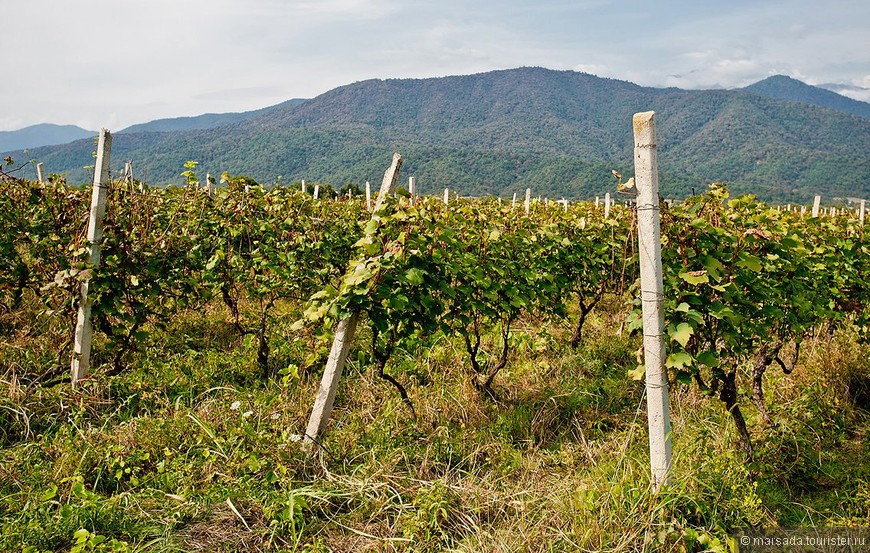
[132, 61]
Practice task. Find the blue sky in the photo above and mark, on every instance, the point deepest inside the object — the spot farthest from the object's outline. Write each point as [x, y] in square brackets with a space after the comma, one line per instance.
[113, 63]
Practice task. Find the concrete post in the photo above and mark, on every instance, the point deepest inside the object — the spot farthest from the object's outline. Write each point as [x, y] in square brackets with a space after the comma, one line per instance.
[651, 290]
[343, 340]
[84, 331]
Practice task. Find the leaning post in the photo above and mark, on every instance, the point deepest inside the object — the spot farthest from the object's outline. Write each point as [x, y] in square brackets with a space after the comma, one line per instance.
[651, 291]
[84, 331]
[343, 340]
[40, 172]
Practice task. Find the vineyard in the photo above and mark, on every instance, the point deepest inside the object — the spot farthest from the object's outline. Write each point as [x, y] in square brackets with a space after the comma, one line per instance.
[491, 400]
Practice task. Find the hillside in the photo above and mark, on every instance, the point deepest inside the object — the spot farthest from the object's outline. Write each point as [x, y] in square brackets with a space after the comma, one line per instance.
[786, 88]
[559, 132]
[202, 122]
[41, 135]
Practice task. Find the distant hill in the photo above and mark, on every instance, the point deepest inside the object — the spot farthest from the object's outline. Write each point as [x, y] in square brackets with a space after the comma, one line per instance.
[558, 132]
[202, 122]
[786, 88]
[41, 135]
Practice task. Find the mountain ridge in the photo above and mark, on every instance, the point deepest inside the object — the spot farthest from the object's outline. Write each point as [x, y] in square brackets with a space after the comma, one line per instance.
[559, 132]
[42, 134]
[787, 88]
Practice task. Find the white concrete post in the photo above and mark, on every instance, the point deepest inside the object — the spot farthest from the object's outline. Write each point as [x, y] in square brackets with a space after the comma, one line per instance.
[412, 189]
[607, 205]
[514, 201]
[304, 190]
[40, 172]
[316, 191]
[368, 195]
[84, 331]
[343, 340]
[816, 203]
[596, 202]
[446, 196]
[651, 291]
[528, 201]
[861, 212]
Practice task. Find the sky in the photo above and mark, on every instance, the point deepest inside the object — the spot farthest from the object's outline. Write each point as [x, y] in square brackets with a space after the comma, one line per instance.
[115, 63]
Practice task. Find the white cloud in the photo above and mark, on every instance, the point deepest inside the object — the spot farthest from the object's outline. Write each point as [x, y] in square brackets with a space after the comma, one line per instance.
[108, 62]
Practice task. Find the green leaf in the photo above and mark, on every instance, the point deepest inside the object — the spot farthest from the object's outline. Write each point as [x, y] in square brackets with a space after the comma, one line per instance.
[637, 373]
[678, 360]
[708, 358]
[681, 333]
[695, 277]
[684, 377]
[49, 494]
[750, 262]
[415, 276]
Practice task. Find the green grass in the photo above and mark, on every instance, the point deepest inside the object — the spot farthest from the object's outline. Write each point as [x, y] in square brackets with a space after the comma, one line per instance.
[192, 450]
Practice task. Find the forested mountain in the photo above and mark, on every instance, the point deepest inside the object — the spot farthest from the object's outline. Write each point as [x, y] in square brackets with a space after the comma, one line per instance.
[204, 121]
[786, 88]
[558, 132]
[44, 134]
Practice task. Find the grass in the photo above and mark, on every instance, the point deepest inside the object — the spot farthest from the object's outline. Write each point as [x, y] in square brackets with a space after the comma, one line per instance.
[192, 450]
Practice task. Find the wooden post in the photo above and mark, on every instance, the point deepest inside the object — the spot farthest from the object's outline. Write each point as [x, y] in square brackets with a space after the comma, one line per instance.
[368, 195]
[528, 202]
[40, 172]
[816, 203]
[343, 340]
[861, 212]
[84, 331]
[651, 291]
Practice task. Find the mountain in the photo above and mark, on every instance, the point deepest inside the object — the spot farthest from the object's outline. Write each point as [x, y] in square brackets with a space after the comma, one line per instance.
[41, 135]
[558, 132]
[202, 122]
[786, 88]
